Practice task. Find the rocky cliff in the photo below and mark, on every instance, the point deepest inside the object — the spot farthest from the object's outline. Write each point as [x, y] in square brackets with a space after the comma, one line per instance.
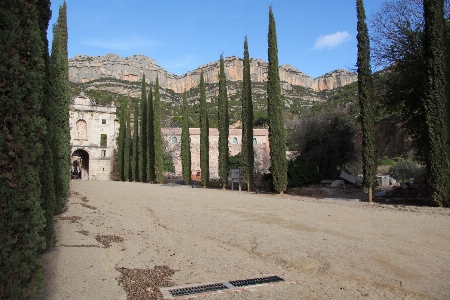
[84, 68]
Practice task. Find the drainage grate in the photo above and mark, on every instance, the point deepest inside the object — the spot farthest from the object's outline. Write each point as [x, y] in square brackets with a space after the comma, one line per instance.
[198, 289]
[254, 281]
[236, 285]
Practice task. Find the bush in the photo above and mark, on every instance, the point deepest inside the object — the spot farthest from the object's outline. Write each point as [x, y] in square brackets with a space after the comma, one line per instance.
[406, 169]
[385, 161]
[300, 173]
[325, 141]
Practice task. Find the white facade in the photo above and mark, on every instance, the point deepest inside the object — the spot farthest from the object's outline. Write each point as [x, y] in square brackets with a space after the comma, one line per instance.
[93, 132]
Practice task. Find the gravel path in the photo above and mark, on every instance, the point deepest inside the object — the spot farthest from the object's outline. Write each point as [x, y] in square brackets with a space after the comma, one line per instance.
[325, 249]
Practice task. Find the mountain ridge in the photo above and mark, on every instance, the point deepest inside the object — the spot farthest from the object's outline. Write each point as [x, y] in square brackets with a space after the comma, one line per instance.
[84, 68]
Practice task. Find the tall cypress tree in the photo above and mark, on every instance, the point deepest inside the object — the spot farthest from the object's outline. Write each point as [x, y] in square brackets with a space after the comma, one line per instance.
[185, 143]
[223, 122]
[204, 134]
[159, 153]
[22, 76]
[143, 152]
[46, 175]
[61, 98]
[435, 102]
[136, 142]
[127, 169]
[277, 136]
[365, 95]
[247, 121]
[150, 138]
[121, 142]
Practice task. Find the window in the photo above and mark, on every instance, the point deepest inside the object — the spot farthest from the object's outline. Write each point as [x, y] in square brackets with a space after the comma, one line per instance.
[174, 140]
[103, 140]
[255, 141]
[235, 140]
[103, 121]
[103, 154]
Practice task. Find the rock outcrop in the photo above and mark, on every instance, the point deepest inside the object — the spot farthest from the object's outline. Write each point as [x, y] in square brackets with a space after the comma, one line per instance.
[84, 68]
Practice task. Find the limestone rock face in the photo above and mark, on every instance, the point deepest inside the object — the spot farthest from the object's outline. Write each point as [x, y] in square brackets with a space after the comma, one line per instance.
[84, 68]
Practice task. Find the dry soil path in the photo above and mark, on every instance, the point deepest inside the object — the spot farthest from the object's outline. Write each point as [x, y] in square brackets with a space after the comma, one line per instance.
[325, 249]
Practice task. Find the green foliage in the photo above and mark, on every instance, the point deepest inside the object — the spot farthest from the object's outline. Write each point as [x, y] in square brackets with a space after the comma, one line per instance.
[61, 97]
[151, 138]
[300, 173]
[121, 142]
[247, 121]
[236, 161]
[385, 161]
[325, 141]
[159, 151]
[128, 152]
[277, 136]
[365, 95]
[22, 75]
[185, 144]
[435, 102]
[405, 170]
[46, 175]
[135, 160]
[168, 162]
[204, 134]
[143, 124]
[223, 122]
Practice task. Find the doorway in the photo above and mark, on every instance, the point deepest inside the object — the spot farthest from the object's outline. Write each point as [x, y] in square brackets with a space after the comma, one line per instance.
[80, 165]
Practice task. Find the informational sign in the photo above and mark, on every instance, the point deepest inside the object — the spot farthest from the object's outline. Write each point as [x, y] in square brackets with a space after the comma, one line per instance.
[235, 173]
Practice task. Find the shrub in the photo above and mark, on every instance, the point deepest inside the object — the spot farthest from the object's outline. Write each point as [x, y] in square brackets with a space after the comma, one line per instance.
[300, 173]
[406, 169]
[325, 141]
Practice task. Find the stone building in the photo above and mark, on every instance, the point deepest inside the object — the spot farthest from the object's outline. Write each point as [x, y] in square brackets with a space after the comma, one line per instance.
[93, 131]
[172, 138]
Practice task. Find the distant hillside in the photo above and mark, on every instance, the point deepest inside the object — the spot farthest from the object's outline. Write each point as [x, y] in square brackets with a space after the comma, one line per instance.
[104, 78]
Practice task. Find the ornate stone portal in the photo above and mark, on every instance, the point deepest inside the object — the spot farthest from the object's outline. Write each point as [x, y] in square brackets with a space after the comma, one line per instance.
[93, 132]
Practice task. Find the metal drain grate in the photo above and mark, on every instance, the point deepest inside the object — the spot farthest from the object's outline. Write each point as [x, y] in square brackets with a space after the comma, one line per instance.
[230, 286]
[254, 281]
[198, 289]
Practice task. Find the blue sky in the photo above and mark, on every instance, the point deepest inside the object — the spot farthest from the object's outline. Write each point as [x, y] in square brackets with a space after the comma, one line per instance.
[315, 36]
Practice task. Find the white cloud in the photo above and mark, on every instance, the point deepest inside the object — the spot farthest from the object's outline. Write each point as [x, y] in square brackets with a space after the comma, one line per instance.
[128, 43]
[331, 41]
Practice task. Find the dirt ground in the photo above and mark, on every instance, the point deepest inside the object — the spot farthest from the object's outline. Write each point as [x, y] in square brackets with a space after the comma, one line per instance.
[325, 249]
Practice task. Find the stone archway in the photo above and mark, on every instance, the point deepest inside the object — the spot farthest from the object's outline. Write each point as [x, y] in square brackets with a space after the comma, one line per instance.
[80, 163]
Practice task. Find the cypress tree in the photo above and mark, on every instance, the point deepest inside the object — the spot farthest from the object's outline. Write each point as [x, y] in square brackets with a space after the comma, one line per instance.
[204, 134]
[61, 97]
[185, 143]
[22, 76]
[277, 136]
[159, 153]
[223, 122]
[143, 153]
[247, 121]
[47, 178]
[121, 142]
[127, 153]
[150, 138]
[435, 102]
[136, 142]
[365, 95]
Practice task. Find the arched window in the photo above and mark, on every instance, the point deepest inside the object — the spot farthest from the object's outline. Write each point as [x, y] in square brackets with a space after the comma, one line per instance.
[174, 140]
[255, 141]
[235, 140]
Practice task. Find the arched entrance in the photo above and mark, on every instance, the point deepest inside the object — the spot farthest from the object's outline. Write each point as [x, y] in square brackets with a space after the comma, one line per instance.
[80, 164]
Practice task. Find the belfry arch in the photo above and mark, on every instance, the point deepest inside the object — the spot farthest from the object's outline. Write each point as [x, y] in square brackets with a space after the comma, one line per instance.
[80, 164]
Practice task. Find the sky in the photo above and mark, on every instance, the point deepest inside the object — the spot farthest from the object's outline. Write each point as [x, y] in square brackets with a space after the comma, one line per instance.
[314, 36]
